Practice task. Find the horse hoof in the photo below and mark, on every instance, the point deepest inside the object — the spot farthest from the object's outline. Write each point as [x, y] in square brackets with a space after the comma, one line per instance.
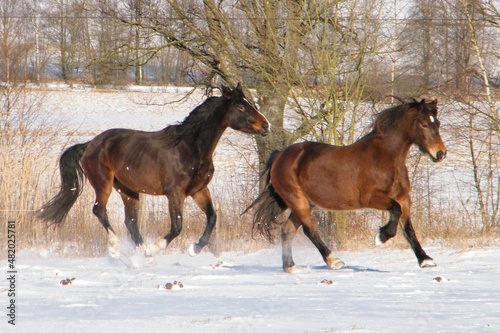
[378, 241]
[149, 261]
[292, 269]
[427, 263]
[334, 263]
[146, 256]
[193, 250]
[159, 245]
[114, 252]
[113, 245]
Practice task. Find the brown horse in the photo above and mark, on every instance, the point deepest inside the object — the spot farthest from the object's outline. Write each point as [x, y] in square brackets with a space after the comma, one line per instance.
[370, 173]
[175, 161]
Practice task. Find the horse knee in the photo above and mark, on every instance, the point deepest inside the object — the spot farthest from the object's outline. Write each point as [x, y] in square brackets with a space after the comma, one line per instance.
[385, 233]
[390, 229]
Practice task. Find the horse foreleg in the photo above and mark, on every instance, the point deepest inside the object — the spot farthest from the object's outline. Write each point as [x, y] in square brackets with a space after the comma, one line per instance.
[389, 230]
[204, 200]
[175, 207]
[423, 259]
[131, 203]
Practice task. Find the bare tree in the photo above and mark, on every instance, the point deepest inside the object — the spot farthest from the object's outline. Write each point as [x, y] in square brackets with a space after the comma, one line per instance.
[14, 41]
[484, 115]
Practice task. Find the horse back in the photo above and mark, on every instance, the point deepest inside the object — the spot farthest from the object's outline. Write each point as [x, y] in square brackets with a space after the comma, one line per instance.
[138, 159]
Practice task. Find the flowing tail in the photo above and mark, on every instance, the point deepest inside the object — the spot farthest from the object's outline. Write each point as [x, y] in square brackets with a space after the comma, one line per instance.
[72, 178]
[269, 204]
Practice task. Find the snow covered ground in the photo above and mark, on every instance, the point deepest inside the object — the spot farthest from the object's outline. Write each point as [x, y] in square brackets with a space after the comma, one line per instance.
[380, 290]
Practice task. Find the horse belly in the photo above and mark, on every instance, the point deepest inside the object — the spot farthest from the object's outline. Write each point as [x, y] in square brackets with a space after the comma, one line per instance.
[333, 197]
[332, 186]
[140, 182]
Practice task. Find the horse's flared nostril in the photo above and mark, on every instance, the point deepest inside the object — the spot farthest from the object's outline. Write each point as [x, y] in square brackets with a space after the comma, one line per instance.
[265, 128]
[440, 155]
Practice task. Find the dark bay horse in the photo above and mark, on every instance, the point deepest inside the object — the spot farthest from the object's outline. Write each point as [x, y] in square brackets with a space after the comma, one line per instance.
[175, 161]
[370, 173]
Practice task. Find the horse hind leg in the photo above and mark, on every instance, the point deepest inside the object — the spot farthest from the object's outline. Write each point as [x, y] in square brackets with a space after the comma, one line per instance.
[131, 202]
[288, 232]
[100, 212]
[101, 180]
[312, 232]
[330, 259]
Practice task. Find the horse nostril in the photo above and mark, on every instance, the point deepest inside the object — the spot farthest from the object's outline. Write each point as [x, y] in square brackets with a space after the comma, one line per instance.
[440, 155]
[265, 126]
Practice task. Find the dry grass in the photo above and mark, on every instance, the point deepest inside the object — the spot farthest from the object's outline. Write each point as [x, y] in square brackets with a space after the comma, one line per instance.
[82, 235]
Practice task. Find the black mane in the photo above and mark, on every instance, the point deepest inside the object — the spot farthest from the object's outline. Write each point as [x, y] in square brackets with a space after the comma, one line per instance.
[173, 134]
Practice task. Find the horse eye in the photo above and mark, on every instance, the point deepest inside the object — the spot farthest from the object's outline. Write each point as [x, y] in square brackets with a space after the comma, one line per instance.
[241, 108]
[424, 125]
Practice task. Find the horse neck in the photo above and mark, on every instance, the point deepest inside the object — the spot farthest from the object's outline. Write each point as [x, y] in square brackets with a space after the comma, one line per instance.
[396, 145]
[209, 134]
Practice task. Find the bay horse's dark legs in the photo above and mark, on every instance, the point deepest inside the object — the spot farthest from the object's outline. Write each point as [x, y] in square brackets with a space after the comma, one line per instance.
[100, 211]
[131, 218]
[131, 202]
[312, 232]
[204, 200]
[389, 230]
[175, 208]
[423, 259]
[101, 178]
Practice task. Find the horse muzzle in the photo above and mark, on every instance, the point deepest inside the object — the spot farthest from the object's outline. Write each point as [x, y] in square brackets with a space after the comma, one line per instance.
[438, 156]
[265, 128]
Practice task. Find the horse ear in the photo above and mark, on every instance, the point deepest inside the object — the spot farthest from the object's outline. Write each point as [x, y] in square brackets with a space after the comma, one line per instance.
[433, 104]
[226, 91]
[239, 88]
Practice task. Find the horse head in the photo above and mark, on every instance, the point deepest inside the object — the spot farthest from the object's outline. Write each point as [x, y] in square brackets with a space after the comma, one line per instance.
[243, 115]
[426, 131]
